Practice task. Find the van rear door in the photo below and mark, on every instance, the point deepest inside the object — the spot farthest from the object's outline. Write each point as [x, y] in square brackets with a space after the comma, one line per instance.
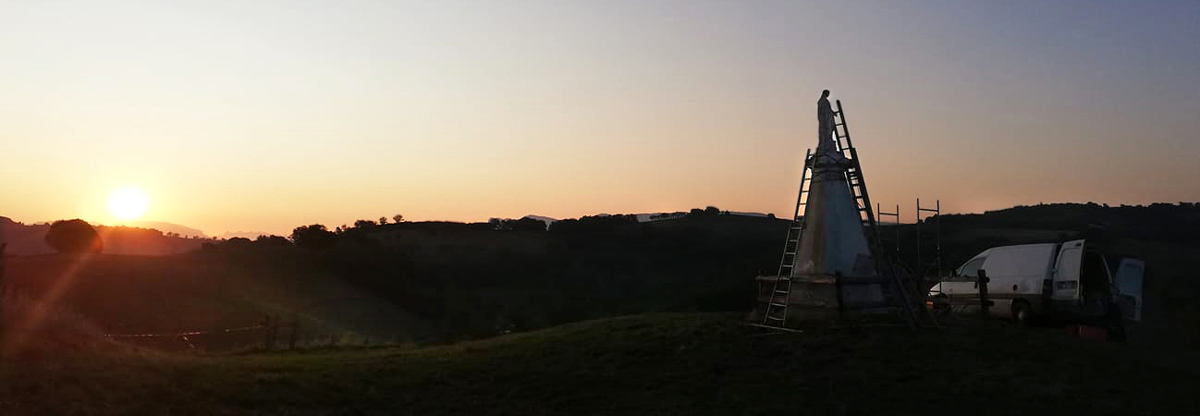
[1065, 285]
[1129, 288]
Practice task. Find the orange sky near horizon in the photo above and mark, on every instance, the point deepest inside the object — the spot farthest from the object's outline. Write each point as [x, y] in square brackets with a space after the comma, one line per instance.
[264, 116]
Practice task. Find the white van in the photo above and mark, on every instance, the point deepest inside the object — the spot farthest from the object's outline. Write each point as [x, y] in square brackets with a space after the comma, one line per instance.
[1067, 281]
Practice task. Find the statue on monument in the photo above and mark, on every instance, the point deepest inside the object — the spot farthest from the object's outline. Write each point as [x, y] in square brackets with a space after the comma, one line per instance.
[824, 124]
[827, 147]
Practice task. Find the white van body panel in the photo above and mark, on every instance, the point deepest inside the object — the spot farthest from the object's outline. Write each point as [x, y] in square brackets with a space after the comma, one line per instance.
[1016, 272]
[1032, 260]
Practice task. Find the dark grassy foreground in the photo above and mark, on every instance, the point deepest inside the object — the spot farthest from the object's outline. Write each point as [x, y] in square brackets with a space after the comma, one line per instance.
[655, 364]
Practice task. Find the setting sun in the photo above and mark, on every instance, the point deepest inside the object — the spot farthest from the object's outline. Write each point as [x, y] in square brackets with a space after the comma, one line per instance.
[128, 203]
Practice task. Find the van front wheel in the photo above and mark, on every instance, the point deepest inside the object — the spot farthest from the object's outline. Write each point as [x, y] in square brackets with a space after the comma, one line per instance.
[941, 305]
[1022, 313]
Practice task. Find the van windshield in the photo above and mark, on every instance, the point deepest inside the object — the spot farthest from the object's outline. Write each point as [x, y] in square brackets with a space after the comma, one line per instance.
[971, 268]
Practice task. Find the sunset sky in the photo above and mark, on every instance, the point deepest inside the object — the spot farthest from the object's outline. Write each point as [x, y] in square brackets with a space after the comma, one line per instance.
[265, 115]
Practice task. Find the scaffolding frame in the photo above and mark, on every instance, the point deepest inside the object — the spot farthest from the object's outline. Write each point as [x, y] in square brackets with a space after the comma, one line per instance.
[935, 213]
[896, 215]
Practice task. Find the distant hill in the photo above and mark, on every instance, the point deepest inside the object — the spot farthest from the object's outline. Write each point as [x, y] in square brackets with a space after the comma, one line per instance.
[546, 220]
[1175, 223]
[661, 216]
[166, 227]
[25, 240]
[243, 234]
[964, 235]
[478, 281]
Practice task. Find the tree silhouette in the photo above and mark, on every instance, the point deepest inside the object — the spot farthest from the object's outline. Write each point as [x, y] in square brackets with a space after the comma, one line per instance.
[523, 224]
[596, 225]
[397, 218]
[528, 224]
[73, 236]
[314, 236]
[382, 220]
[237, 242]
[272, 240]
[364, 224]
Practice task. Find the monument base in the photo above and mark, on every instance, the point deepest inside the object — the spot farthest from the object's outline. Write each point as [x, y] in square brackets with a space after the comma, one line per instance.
[824, 298]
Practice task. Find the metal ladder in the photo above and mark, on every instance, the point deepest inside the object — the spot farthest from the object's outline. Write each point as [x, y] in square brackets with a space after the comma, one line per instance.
[791, 245]
[902, 285]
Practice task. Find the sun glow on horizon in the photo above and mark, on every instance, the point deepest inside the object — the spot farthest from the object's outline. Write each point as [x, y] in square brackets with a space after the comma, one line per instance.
[128, 203]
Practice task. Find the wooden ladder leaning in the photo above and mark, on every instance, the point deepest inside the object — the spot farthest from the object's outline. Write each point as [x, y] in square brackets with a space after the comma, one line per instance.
[901, 291]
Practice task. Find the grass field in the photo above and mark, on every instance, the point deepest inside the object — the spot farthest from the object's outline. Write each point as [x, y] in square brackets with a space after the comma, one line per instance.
[206, 291]
[646, 364]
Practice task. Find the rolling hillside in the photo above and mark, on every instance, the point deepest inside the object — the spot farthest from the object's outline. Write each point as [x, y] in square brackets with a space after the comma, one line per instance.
[650, 364]
[468, 281]
[207, 290]
[29, 239]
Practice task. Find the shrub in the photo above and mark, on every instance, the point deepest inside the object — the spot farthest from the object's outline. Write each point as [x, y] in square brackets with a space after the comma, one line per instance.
[73, 236]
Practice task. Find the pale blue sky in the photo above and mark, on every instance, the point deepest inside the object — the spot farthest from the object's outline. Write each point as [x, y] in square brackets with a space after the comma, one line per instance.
[265, 115]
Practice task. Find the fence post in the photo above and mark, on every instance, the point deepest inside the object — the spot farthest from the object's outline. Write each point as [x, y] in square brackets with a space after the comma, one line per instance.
[984, 302]
[274, 330]
[837, 286]
[295, 330]
[271, 323]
